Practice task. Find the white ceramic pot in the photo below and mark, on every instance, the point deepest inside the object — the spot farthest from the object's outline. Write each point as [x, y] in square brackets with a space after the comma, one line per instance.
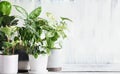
[39, 64]
[8, 64]
[55, 60]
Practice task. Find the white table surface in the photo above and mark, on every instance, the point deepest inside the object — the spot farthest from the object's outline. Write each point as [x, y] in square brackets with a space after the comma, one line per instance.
[75, 73]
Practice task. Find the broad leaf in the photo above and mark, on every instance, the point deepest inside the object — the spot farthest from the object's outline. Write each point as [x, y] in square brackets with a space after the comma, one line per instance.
[21, 10]
[35, 13]
[5, 7]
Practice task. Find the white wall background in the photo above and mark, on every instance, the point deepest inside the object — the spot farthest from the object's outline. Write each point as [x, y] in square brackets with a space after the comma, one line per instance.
[94, 34]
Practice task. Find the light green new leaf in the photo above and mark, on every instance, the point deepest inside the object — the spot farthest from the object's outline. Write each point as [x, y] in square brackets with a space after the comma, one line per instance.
[50, 16]
[8, 30]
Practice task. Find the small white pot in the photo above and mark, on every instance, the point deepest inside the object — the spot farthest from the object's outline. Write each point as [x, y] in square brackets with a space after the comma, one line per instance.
[8, 64]
[55, 60]
[39, 64]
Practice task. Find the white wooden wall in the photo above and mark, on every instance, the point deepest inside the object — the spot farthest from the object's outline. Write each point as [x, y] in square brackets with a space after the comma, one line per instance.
[94, 34]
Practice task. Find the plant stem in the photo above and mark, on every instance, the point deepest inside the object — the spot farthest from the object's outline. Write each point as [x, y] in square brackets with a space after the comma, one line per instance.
[8, 48]
[13, 50]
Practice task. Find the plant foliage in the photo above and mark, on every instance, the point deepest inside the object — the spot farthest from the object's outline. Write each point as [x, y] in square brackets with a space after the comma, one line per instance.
[30, 34]
[8, 29]
[39, 35]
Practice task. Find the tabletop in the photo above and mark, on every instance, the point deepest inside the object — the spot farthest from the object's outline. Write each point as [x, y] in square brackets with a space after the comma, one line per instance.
[75, 73]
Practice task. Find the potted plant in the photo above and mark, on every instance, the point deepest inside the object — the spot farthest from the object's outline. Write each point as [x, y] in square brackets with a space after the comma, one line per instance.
[40, 36]
[55, 41]
[8, 29]
[32, 37]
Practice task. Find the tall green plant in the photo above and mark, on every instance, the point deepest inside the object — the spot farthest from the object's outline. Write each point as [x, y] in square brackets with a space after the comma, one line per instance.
[31, 34]
[7, 28]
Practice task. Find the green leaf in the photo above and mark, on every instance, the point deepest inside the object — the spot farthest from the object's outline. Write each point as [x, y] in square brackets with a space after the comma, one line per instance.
[63, 18]
[2, 36]
[8, 30]
[55, 37]
[1, 20]
[35, 13]
[21, 10]
[47, 51]
[61, 27]
[50, 16]
[5, 7]
[16, 38]
[36, 56]
[50, 43]
[7, 45]
[14, 22]
[9, 21]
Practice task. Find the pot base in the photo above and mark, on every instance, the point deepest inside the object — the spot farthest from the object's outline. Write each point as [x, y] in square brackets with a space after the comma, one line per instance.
[22, 71]
[54, 69]
[37, 72]
[8, 73]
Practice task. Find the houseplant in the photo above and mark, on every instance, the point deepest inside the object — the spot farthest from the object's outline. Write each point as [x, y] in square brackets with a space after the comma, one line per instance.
[58, 35]
[39, 36]
[8, 29]
[32, 37]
